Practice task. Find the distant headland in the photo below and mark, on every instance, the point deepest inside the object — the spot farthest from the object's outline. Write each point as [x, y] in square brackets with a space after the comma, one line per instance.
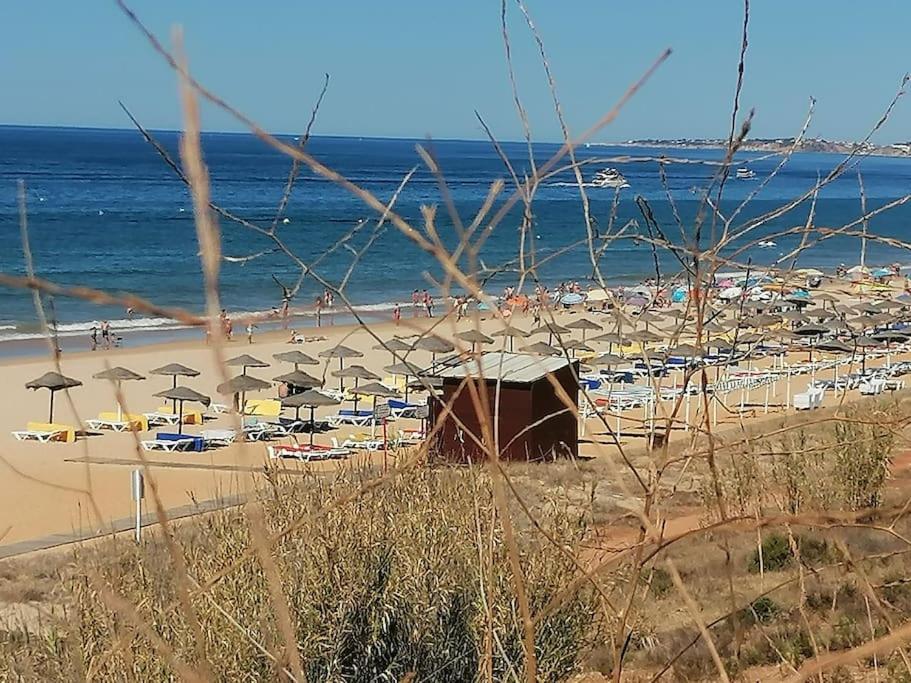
[775, 145]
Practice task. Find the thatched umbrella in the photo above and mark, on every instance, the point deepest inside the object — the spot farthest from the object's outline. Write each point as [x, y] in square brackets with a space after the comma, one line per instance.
[357, 373]
[240, 385]
[179, 395]
[648, 317]
[376, 390]
[551, 329]
[435, 345]
[299, 378]
[474, 337]
[834, 346]
[53, 382]
[406, 370]
[341, 352]
[762, 320]
[245, 360]
[645, 337]
[864, 342]
[394, 346]
[542, 349]
[511, 333]
[585, 325]
[889, 336]
[309, 399]
[175, 370]
[813, 332]
[296, 357]
[819, 314]
[117, 375]
[575, 345]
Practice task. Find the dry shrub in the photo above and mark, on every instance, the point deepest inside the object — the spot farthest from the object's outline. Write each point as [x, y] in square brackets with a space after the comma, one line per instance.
[399, 581]
[840, 465]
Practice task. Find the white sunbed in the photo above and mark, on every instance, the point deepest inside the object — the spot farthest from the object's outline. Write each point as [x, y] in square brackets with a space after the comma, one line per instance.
[99, 423]
[219, 437]
[359, 444]
[41, 436]
[359, 419]
[872, 387]
[169, 445]
[162, 418]
[808, 400]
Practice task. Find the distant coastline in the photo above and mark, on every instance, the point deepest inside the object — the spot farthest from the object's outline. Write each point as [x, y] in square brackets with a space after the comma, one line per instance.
[773, 145]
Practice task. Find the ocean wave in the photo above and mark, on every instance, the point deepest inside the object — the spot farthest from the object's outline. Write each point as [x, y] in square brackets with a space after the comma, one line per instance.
[30, 331]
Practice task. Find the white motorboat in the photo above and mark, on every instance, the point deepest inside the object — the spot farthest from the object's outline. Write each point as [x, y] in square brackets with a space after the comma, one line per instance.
[609, 177]
[744, 173]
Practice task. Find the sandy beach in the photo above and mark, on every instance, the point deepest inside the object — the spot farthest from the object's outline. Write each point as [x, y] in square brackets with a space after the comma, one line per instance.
[58, 488]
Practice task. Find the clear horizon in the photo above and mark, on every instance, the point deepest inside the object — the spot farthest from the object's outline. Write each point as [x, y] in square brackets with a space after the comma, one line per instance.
[410, 69]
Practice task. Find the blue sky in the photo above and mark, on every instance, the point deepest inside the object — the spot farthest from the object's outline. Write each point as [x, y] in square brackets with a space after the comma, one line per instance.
[421, 67]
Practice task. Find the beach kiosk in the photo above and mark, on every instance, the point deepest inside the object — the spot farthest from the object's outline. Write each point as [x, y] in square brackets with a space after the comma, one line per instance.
[533, 421]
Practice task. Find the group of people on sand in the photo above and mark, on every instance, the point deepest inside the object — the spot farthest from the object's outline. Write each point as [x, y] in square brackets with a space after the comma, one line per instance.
[422, 300]
[101, 336]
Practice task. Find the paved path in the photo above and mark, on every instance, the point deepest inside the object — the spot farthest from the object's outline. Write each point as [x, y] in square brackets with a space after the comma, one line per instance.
[117, 526]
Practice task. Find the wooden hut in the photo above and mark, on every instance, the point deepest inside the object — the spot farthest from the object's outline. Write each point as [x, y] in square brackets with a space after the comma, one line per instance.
[532, 418]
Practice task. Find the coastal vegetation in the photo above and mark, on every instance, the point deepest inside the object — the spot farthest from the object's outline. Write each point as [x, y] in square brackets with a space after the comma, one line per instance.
[760, 545]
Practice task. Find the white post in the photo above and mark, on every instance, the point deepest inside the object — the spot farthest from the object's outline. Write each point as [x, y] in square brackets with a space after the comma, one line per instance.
[137, 487]
[765, 408]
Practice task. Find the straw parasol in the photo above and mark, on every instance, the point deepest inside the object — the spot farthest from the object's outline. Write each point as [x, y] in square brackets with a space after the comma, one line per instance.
[576, 345]
[605, 359]
[762, 320]
[53, 382]
[819, 314]
[511, 333]
[181, 394]
[542, 349]
[241, 385]
[296, 357]
[298, 378]
[551, 329]
[311, 399]
[175, 370]
[644, 336]
[245, 361]
[341, 352]
[648, 317]
[475, 337]
[585, 325]
[376, 390]
[357, 373]
[864, 342]
[117, 375]
[394, 346]
[406, 370]
[435, 345]
[684, 351]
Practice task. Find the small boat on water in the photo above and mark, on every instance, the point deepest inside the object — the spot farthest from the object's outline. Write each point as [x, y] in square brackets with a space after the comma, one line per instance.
[744, 173]
[609, 177]
[767, 244]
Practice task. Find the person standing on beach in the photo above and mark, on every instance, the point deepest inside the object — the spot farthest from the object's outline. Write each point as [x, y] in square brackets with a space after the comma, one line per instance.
[250, 328]
[414, 303]
[428, 303]
[106, 334]
[397, 314]
[93, 336]
[319, 310]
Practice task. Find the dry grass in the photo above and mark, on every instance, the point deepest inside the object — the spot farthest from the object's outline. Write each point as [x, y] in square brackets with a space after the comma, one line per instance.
[771, 545]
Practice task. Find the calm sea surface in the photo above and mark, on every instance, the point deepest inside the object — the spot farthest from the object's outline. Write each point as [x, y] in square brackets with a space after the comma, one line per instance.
[105, 211]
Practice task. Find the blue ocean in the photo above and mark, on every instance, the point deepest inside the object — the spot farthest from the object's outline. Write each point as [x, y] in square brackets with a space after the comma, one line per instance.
[105, 211]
